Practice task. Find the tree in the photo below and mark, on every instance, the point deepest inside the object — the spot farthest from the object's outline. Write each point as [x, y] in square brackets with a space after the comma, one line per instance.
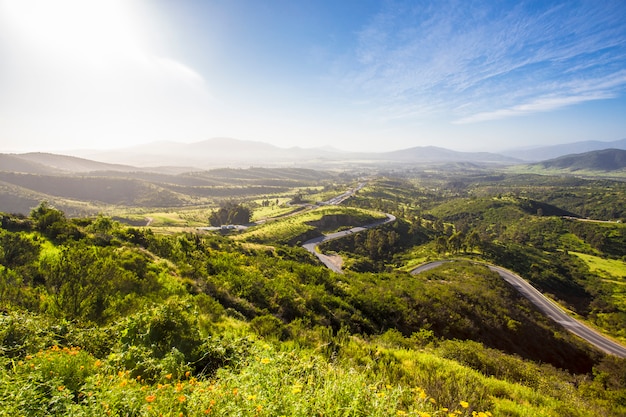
[17, 250]
[52, 222]
[456, 241]
[46, 216]
[473, 241]
[80, 280]
[230, 213]
[441, 245]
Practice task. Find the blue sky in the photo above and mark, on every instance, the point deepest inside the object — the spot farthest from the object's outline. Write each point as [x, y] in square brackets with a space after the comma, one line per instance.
[355, 75]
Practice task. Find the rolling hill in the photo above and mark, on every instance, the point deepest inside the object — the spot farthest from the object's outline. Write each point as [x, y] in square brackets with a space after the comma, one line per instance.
[555, 151]
[82, 187]
[436, 154]
[607, 160]
[228, 152]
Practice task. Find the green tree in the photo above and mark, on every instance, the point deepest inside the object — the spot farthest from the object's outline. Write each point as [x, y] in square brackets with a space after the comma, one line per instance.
[52, 222]
[17, 250]
[441, 245]
[46, 216]
[230, 213]
[472, 240]
[456, 242]
[79, 279]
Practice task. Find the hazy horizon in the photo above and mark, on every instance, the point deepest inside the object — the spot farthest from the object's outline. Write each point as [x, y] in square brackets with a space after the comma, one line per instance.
[85, 152]
[353, 75]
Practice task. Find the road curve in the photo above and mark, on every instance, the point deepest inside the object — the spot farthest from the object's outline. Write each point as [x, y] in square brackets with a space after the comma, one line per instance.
[312, 244]
[548, 307]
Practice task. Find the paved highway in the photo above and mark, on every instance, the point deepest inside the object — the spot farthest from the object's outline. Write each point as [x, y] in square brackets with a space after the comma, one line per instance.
[549, 308]
[312, 244]
[544, 304]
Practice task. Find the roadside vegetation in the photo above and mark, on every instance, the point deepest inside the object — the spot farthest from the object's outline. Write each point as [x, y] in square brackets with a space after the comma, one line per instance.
[98, 317]
[313, 222]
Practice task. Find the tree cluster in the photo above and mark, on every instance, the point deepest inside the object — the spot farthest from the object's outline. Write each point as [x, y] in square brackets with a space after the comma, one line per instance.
[230, 213]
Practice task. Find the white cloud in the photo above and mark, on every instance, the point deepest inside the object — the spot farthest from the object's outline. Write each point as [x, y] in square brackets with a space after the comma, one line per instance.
[538, 105]
[486, 61]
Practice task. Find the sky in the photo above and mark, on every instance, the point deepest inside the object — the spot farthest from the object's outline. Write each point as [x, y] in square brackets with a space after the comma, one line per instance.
[358, 75]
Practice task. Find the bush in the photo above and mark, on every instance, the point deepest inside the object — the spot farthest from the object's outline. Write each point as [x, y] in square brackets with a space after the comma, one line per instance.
[269, 327]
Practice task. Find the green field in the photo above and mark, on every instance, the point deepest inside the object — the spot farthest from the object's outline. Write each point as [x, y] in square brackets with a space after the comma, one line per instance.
[610, 269]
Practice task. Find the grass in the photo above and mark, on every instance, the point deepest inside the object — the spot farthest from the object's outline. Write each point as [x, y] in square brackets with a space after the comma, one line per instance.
[298, 226]
[611, 269]
[261, 213]
[274, 380]
[612, 273]
[536, 169]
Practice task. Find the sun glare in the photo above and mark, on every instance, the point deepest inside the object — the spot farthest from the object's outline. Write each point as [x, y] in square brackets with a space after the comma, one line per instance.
[96, 28]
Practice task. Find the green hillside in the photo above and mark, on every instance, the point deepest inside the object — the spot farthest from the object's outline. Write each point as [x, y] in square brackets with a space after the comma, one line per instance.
[102, 318]
[99, 318]
[603, 160]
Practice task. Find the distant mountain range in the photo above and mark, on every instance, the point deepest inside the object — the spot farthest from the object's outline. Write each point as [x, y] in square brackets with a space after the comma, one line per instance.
[167, 174]
[176, 158]
[227, 152]
[554, 151]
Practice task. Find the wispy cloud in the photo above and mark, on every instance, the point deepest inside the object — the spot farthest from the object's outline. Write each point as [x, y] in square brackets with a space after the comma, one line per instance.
[480, 61]
[538, 105]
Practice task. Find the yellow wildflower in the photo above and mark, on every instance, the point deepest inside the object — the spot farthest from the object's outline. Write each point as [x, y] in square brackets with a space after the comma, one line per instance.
[464, 404]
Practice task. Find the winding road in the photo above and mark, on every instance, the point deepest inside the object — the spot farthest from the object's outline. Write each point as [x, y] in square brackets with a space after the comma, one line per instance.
[544, 304]
[548, 307]
[312, 244]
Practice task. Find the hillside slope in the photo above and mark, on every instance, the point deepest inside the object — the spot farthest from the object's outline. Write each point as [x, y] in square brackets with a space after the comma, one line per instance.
[555, 151]
[604, 160]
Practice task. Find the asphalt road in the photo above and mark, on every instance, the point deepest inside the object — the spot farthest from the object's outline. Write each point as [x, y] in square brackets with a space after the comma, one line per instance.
[312, 244]
[549, 308]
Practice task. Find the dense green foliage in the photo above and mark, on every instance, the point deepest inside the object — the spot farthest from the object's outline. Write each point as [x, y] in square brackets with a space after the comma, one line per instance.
[230, 213]
[98, 318]
[312, 223]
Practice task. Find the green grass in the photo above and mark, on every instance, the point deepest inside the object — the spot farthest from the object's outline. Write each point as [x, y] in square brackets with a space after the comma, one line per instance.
[536, 169]
[277, 379]
[261, 213]
[612, 269]
[576, 245]
[292, 228]
[612, 274]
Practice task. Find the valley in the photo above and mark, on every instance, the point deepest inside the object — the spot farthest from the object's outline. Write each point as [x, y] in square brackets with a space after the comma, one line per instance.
[316, 296]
